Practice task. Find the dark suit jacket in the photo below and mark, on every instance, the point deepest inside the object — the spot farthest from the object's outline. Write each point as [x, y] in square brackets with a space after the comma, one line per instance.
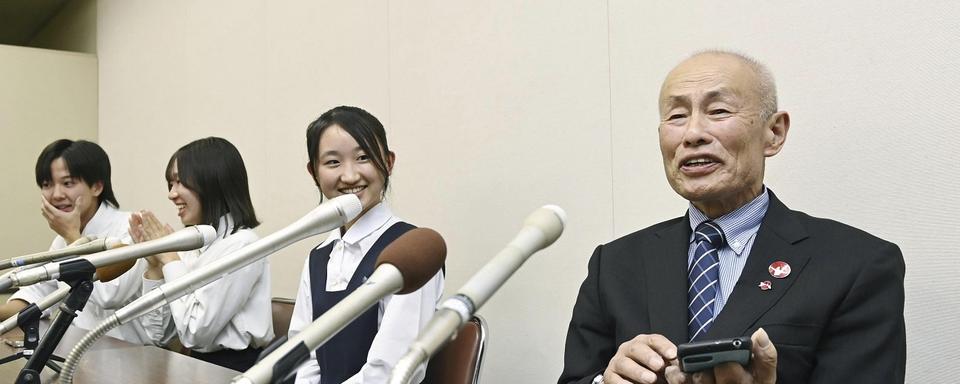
[837, 318]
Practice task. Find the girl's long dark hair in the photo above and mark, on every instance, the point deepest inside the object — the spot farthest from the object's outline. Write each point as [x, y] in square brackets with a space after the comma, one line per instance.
[212, 167]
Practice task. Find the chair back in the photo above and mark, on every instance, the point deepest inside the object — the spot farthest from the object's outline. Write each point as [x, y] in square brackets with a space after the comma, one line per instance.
[460, 360]
[282, 309]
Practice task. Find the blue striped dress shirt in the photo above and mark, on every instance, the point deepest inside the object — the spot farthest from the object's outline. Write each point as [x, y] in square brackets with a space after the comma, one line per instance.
[740, 228]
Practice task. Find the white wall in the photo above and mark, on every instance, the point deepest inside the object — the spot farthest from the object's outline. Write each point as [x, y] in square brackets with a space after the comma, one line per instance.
[496, 108]
[44, 96]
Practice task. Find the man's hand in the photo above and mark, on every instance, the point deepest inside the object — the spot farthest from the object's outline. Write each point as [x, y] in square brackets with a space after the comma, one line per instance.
[761, 370]
[640, 360]
[65, 224]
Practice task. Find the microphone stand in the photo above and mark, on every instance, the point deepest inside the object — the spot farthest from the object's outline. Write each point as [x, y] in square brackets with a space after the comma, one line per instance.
[79, 275]
[28, 319]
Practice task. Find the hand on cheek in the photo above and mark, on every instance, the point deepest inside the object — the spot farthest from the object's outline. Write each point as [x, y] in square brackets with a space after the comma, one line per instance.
[65, 224]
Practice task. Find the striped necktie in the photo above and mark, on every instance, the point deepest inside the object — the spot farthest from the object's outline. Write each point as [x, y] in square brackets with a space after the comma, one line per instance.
[704, 278]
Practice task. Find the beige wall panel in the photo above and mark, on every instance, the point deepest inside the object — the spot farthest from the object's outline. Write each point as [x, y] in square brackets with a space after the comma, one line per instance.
[255, 73]
[45, 95]
[873, 98]
[497, 109]
[318, 55]
[171, 75]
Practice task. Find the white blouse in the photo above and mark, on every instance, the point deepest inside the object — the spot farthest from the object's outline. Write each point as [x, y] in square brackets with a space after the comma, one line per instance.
[106, 297]
[233, 312]
[401, 317]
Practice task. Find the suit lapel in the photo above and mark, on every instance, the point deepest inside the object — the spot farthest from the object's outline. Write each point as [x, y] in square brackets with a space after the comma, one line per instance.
[774, 242]
[666, 276]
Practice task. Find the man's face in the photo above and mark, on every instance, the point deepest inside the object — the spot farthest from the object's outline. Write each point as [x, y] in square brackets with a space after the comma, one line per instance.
[711, 137]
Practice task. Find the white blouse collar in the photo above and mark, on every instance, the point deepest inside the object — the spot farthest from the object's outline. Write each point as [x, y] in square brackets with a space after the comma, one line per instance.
[367, 224]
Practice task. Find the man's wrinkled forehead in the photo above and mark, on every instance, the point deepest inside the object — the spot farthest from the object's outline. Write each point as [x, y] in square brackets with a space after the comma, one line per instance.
[709, 74]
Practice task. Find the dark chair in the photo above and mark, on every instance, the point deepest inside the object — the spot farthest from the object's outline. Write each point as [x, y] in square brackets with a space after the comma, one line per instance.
[282, 309]
[459, 361]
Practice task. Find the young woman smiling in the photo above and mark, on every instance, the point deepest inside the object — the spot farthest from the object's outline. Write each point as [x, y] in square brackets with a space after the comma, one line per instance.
[348, 153]
[228, 321]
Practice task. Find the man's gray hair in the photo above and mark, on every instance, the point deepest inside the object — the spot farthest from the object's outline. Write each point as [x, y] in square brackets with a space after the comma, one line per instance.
[767, 88]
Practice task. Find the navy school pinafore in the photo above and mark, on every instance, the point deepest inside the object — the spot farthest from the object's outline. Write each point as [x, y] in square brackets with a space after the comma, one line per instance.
[345, 353]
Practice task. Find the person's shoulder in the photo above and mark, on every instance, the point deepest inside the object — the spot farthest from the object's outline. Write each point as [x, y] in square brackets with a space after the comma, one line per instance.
[115, 222]
[845, 240]
[837, 231]
[640, 237]
[113, 213]
[245, 235]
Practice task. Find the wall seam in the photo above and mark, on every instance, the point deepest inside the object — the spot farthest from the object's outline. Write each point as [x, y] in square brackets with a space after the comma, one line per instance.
[613, 211]
[389, 70]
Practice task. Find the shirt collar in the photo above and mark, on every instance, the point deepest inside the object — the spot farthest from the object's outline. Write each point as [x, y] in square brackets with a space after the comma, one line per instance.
[224, 228]
[367, 224]
[738, 226]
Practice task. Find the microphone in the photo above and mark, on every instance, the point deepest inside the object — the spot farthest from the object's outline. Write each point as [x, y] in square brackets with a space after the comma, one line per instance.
[403, 267]
[103, 274]
[83, 246]
[43, 304]
[540, 229]
[328, 216]
[183, 240]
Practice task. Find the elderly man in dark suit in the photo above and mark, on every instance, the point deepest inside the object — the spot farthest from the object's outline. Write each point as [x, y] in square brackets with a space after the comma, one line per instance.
[822, 301]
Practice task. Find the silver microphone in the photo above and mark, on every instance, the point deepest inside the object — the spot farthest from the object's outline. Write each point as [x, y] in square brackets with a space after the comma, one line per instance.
[103, 274]
[84, 246]
[540, 229]
[183, 240]
[404, 266]
[328, 216]
[43, 304]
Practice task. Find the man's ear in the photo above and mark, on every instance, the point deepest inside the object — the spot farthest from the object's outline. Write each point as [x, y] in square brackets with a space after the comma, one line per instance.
[776, 132]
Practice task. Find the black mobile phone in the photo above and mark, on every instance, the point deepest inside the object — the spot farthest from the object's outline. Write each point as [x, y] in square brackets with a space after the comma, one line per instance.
[701, 355]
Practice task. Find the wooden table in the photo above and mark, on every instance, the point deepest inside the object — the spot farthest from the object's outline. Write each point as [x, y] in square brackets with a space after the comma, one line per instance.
[115, 361]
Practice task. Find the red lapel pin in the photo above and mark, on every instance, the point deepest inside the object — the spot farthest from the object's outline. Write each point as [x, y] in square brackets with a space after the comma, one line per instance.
[779, 269]
[766, 285]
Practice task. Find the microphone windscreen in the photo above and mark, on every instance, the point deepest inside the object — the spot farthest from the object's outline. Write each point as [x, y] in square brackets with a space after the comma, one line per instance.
[208, 232]
[113, 271]
[550, 219]
[418, 254]
[350, 205]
